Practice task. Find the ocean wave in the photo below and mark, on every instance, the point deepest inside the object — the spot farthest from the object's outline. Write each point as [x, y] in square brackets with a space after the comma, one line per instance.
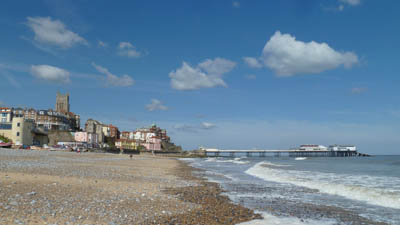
[235, 160]
[350, 187]
[267, 164]
[241, 162]
[269, 219]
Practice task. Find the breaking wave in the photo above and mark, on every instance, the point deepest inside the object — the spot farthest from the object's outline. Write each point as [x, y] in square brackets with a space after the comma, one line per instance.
[373, 190]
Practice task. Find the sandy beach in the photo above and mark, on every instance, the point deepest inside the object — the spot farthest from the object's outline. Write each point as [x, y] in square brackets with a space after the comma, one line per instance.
[42, 187]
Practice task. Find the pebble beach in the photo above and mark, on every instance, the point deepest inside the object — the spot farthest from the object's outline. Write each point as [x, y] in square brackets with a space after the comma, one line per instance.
[49, 187]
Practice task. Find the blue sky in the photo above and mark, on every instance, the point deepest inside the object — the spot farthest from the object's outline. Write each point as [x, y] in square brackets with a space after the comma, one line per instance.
[227, 74]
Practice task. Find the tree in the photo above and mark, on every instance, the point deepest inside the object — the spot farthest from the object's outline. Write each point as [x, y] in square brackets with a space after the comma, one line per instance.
[4, 139]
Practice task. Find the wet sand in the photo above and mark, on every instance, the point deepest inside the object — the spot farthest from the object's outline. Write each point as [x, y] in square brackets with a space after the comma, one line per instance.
[39, 187]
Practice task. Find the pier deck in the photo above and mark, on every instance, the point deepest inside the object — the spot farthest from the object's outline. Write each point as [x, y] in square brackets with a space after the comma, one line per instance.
[281, 153]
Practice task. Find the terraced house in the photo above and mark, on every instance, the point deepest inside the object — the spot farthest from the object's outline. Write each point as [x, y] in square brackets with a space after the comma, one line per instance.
[19, 130]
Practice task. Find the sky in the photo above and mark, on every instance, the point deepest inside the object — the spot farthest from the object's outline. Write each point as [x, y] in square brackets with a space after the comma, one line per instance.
[222, 74]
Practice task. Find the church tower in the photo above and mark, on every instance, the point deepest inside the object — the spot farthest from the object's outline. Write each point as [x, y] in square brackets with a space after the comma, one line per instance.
[62, 103]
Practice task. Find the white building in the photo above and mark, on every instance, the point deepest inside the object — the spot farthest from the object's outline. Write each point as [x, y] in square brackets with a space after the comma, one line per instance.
[342, 148]
[5, 115]
[143, 135]
[313, 148]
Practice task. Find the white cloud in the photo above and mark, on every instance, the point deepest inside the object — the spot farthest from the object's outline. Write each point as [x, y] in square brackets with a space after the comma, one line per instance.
[236, 4]
[288, 56]
[207, 125]
[217, 66]
[114, 80]
[207, 74]
[351, 2]
[342, 4]
[102, 44]
[53, 32]
[156, 105]
[194, 128]
[252, 62]
[358, 90]
[50, 74]
[128, 50]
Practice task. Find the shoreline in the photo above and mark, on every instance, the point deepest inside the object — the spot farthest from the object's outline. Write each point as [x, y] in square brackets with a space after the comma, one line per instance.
[39, 187]
[215, 208]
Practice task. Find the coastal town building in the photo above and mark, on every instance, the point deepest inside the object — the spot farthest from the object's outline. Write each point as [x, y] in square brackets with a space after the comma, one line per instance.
[59, 119]
[19, 131]
[49, 119]
[95, 127]
[153, 143]
[22, 131]
[29, 126]
[152, 138]
[111, 131]
[114, 131]
[125, 135]
[63, 107]
[5, 115]
[52, 120]
[62, 103]
[106, 131]
[85, 137]
[126, 144]
[142, 134]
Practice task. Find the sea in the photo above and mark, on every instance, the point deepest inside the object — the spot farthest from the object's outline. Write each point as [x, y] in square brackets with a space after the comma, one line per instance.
[335, 190]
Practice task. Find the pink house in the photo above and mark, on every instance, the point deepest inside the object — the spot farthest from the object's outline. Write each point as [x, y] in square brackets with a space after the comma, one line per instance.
[86, 137]
[153, 144]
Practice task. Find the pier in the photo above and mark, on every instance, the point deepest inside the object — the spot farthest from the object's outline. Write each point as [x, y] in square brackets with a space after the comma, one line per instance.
[281, 153]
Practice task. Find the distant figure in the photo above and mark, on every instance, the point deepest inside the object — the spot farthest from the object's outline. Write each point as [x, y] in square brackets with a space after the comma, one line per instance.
[130, 156]
[78, 151]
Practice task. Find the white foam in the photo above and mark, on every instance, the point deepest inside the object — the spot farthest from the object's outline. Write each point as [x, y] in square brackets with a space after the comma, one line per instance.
[213, 173]
[269, 219]
[273, 165]
[235, 160]
[300, 158]
[186, 159]
[241, 162]
[234, 196]
[347, 186]
[231, 177]
[211, 159]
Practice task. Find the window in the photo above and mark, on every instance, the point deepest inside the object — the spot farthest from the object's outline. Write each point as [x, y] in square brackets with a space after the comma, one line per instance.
[4, 114]
[17, 134]
[18, 124]
[5, 126]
